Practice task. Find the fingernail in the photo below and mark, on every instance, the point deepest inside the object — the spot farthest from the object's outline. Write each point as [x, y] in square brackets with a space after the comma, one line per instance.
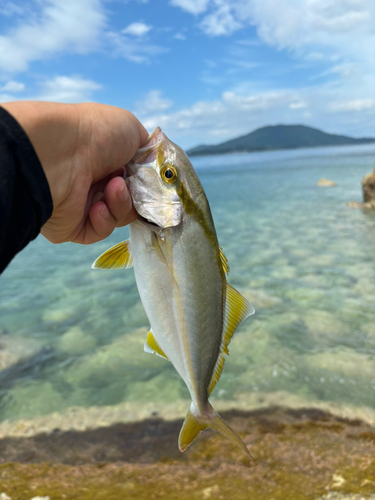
[104, 214]
[122, 193]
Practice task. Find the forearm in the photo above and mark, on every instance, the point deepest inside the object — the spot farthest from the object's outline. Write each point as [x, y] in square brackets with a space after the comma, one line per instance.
[53, 130]
[25, 200]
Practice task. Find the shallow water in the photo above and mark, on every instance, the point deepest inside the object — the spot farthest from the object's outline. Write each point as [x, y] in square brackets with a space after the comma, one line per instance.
[73, 337]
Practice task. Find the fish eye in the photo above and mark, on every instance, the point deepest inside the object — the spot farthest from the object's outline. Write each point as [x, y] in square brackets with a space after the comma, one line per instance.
[169, 173]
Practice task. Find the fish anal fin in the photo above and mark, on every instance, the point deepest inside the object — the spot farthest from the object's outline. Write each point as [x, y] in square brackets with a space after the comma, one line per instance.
[237, 309]
[224, 261]
[217, 372]
[152, 346]
[117, 257]
[195, 423]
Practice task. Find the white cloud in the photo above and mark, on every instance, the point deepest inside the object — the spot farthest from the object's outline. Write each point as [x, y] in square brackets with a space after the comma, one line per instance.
[153, 102]
[58, 89]
[136, 29]
[206, 119]
[221, 21]
[323, 107]
[298, 105]
[133, 49]
[67, 89]
[55, 26]
[291, 23]
[13, 86]
[191, 6]
[179, 36]
[354, 105]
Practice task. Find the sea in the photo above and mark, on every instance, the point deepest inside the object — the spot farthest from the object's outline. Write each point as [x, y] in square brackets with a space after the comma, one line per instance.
[71, 338]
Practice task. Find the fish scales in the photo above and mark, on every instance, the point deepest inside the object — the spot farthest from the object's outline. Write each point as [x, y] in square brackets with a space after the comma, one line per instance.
[180, 274]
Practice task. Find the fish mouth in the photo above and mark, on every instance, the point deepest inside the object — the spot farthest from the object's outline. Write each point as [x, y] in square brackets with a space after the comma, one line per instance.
[143, 220]
[147, 153]
[144, 157]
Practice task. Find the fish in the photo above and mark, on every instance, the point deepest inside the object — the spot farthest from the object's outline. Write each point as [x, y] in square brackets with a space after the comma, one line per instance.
[181, 275]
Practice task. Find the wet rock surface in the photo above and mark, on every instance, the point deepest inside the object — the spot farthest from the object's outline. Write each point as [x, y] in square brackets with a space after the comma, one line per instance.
[298, 454]
[368, 188]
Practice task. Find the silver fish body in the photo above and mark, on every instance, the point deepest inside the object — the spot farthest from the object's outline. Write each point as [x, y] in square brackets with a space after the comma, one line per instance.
[181, 276]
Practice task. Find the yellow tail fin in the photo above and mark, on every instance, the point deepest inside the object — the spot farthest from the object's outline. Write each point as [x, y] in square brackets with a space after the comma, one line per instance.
[195, 423]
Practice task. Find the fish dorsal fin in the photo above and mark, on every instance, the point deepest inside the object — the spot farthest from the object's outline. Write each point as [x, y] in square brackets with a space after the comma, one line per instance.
[152, 346]
[117, 257]
[237, 309]
[224, 261]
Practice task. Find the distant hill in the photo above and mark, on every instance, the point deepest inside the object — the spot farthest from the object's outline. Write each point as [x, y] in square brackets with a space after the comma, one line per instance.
[278, 137]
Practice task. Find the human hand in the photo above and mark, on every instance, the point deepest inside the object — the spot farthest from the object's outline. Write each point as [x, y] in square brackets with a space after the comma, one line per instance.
[82, 149]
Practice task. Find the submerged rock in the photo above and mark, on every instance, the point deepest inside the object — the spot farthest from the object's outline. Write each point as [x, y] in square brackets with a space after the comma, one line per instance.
[356, 204]
[326, 183]
[368, 188]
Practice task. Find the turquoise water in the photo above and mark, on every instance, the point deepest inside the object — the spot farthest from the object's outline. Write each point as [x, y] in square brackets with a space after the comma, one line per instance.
[71, 336]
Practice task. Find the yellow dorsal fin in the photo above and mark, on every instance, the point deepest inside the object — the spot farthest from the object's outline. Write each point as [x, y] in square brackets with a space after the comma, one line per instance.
[237, 309]
[152, 346]
[117, 257]
[224, 261]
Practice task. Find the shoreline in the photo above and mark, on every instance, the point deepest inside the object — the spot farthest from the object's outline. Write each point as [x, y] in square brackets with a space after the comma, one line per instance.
[304, 454]
[82, 419]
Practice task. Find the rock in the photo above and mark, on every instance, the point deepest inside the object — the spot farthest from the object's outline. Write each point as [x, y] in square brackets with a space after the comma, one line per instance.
[4, 496]
[334, 495]
[56, 315]
[337, 481]
[326, 183]
[210, 491]
[355, 204]
[40, 498]
[76, 341]
[368, 188]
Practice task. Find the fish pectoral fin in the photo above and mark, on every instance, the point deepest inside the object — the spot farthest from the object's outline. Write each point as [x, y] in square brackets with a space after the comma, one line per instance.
[237, 309]
[195, 423]
[117, 257]
[152, 346]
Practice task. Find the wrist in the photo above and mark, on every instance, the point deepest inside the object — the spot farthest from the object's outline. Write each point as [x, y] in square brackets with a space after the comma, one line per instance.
[53, 130]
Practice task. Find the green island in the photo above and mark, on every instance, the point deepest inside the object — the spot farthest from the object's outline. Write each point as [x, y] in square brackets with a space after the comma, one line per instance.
[275, 137]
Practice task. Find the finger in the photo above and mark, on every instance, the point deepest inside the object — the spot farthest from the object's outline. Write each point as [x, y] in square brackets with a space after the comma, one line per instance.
[115, 136]
[117, 173]
[100, 223]
[119, 202]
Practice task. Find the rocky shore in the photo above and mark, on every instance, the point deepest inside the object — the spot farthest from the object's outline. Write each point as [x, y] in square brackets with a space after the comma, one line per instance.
[297, 454]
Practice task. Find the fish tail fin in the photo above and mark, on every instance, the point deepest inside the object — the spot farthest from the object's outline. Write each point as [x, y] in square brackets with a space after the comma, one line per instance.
[196, 422]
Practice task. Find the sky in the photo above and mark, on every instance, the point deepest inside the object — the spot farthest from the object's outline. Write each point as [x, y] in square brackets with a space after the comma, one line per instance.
[204, 70]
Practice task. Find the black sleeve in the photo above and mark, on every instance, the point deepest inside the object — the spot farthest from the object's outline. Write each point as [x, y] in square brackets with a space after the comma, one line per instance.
[25, 198]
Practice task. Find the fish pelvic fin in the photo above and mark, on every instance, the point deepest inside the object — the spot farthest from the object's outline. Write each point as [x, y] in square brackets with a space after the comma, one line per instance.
[117, 257]
[153, 347]
[195, 423]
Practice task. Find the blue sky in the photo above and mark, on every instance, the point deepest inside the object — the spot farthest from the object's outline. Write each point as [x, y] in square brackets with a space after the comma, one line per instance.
[204, 70]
